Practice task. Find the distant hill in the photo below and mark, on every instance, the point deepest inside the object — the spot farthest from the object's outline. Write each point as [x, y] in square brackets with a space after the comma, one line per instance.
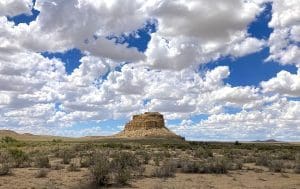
[29, 137]
[269, 140]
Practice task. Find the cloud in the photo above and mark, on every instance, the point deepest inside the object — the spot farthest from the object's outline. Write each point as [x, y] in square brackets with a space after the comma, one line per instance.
[276, 121]
[196, 32]
[284, 83]
[55, 30]
[15, 7]
[284, 41]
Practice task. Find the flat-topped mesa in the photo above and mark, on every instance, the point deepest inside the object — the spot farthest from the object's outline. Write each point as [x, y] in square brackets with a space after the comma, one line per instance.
[148, 120]
[149, 124]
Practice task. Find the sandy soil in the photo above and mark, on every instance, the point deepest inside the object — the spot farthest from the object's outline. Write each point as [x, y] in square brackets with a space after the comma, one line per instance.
[25, 178]
[233, 180]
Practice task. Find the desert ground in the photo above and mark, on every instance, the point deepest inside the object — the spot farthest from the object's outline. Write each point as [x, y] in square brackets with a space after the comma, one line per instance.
[153, 163]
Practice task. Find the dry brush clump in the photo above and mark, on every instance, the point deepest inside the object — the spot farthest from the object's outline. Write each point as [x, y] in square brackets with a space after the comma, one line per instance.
[266, 159]
[124, 166]
[4, 163]
[41, 173]
[203, 153]
[167, 169]
[66, 155]
[100, 169]
[85, 161]
[73, 167]
[20, 158]
[144, 155]
[117, 169]
[42, 161]
[216, 165]
[297, 166]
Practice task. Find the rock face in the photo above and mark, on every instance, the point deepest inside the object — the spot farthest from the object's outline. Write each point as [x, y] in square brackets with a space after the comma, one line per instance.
[149, 124]
[148, 120]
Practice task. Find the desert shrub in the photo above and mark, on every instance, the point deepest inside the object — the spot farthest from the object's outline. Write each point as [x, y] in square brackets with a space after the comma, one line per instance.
[285, 155]
[156, 160]
[217, 166]
[4, 163]
[117, 146]
[4, 169]
[263, 159]
[249, 159]
[57, 140]
[144, 155]
[297, 166]
[8, 140]
[123, 176]
[166, 154]
[123, 166]
[167, 169]
[100, 169]
[42, 161]
[276, 165]
[124, 160]
[73, 167]
[236, 165]
[85, 161]
[203, 153]
[190, 167]
[20, 158]
[83, 147]
[57, 166]
[66, 156]
[41, 173]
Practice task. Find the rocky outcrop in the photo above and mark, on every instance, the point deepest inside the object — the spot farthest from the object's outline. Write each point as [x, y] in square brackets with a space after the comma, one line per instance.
[149, 124]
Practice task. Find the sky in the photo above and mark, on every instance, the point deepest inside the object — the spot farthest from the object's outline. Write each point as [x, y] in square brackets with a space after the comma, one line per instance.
[217, 70]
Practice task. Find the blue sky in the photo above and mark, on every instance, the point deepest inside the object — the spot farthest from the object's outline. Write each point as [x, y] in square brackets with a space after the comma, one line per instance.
[238, 68]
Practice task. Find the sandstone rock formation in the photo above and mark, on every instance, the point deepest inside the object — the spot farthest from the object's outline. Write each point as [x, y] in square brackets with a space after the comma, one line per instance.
[149, 124]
